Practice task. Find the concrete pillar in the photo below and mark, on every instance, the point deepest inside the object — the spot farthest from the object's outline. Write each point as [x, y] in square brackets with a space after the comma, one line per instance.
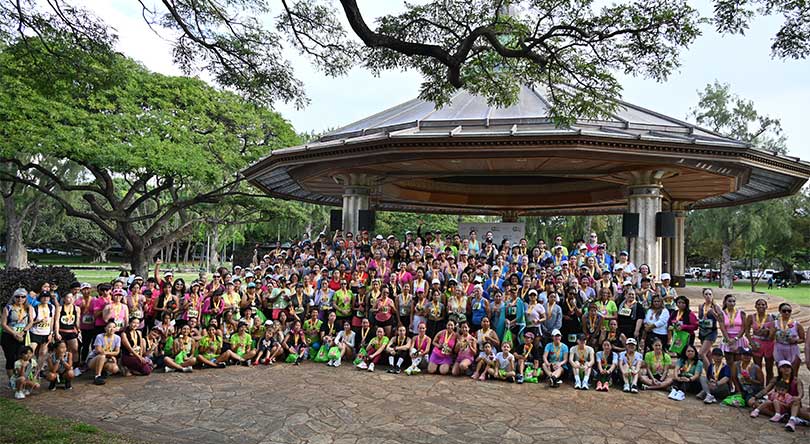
[666, 255]
[644, 197]
[509, 216]
[356, 191]
[678, 251]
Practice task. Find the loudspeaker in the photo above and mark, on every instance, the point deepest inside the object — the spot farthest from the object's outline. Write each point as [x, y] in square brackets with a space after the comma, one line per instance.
[665, 224]
[630, 224]
[335, 220]
[367, 220]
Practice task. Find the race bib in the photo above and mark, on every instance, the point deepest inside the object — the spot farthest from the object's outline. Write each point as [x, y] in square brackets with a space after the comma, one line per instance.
[625, 311]
[88, 319]
[119, 323]
[19, 327]
[137, 314]
[706, 324]
[192, 313]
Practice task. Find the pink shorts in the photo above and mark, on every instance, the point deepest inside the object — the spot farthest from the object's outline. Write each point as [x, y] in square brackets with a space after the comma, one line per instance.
[765, 349]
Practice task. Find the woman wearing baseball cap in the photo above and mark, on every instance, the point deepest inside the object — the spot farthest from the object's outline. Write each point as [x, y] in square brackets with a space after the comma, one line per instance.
[555, 358]
[795, 389]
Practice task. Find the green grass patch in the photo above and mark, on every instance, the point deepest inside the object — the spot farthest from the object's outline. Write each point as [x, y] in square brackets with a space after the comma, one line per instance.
[20, 425]
[800, 294]
[97, 276]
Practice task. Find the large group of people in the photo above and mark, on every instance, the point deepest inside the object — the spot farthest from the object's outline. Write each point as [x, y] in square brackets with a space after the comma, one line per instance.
[453, 305]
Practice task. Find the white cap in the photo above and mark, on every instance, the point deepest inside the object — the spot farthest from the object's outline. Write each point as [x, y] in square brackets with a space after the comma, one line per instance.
[379, 237]
[532, 291]
[85, 285]
[556, 332]
[630, 341]
[495, 267]
[249, 275]
[268, 322]
[435, 281]
[20, 292]
[665, 277]
[168, 273]
[626, 283]
[134, 279]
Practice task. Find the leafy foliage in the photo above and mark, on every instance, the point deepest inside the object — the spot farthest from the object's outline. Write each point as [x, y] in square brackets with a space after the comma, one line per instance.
[793, 38]
[153, 150]
[741, 231]
[33, 278]
[489, 47]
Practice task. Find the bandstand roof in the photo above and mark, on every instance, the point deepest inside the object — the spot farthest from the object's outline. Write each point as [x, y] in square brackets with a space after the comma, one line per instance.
[470, 157]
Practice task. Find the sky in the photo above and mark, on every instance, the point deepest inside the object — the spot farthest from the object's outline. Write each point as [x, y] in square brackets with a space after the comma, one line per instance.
[778, 88]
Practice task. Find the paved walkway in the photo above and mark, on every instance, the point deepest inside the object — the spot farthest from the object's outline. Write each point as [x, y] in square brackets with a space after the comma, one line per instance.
[315, 403]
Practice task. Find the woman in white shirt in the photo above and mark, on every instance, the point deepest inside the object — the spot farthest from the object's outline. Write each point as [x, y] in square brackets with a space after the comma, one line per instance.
[345, 342]
[655, 323]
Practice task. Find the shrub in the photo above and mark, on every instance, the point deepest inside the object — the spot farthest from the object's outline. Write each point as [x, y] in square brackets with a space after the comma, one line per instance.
[12, 279]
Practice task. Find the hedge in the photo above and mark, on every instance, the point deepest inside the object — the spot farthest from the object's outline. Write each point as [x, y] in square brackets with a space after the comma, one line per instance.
[32, 279]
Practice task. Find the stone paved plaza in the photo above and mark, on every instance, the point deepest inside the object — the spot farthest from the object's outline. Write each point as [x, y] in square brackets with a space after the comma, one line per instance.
[315, 403]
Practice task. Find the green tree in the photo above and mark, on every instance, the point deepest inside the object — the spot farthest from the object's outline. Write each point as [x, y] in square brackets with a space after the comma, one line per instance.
[154, 150]
[742, 226]
[489, 47]
[793, 38]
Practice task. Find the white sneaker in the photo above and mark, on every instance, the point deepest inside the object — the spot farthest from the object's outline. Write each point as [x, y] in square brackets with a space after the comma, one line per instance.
[187, 369]
[77, 372]
[709, 399]
[673, 394]
[337, 363]
[626, 387]
[371, 367]
[680, 396]
[168, 369]
[330, 362]
[362, 365]
[19, 395]
[27, 392]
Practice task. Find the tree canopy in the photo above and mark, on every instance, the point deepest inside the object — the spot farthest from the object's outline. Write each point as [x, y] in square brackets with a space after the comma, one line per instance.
[153, 149]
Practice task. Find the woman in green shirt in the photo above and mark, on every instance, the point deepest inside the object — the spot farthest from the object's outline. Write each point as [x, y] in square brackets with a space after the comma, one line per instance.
[376, 347]
[209, 349]
[687, 374]
[657, 374]
[242, 345]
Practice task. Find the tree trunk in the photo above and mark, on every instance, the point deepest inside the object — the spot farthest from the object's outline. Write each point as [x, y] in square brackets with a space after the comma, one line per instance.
[101, 256]
[16, 252]
[726, 272]
[139, 261]
[185, 254]
[214, 248]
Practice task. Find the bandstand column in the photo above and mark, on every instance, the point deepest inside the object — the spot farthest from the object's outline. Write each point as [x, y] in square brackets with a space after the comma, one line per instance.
[678, 243]
[356, 191]
[644, 198]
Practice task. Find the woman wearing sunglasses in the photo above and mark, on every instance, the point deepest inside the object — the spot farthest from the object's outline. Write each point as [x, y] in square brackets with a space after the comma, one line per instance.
[788, 334]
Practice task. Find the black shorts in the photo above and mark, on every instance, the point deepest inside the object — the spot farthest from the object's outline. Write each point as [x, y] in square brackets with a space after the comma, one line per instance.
[387, 323]
[69, 336]
[38, 339]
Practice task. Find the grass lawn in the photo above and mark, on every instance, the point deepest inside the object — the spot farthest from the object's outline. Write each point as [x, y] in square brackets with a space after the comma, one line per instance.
[20, 425]
[98, 276]
[799, 294]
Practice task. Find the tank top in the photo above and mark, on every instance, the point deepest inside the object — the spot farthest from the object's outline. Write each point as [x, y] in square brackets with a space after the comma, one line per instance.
[706, 321]
[785, 331]
[404, 306]
[67, 322]
[134, 338]
[43, 319]
[479, 310]
[17, 317]
[735, 326]
[756, 324]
